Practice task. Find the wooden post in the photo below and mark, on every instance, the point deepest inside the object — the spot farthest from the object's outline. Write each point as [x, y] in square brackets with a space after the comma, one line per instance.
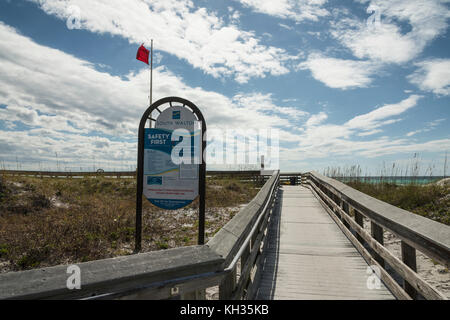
[339, 203]
[377, 233]
[360, 221]
[227, 286]
[409, 258]
[245, 255]
[244, 259]
[346, 208]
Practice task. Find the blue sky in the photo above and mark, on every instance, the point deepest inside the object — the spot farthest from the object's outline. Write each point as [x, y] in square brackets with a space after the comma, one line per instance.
[345, 82]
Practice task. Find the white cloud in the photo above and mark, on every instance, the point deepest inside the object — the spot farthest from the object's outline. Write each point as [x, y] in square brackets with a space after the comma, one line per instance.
[404, 146]
[385, 41]
[180, 28]
[285, 26]
[325, 140]
[377, 117]
[428, 127]
[258, 102]
[381, 39]
[63, 99]
[369, 133]
[56, 83]
[47, 149]
[339, 73]
[298, 10]
[316, 119]
[433, 75]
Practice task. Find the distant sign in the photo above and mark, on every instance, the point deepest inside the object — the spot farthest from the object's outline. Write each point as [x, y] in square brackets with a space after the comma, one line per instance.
[172, 153]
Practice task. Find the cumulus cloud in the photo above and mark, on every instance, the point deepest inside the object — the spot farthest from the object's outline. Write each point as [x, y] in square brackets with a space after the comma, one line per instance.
[298, 10]
[382, 38]
[73, 109]
[180, 28]
[258, 102]
[86, 115]
[339, 73]
[433, 75]
[316, 119]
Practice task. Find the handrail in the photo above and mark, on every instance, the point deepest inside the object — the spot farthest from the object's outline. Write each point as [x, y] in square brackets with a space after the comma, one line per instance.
[416, 232]
[40, 173]
[238, 239]
[110, 173]
[161, 274]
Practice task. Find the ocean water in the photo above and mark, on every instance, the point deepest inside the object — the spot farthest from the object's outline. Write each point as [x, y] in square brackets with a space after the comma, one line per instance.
[394, 180]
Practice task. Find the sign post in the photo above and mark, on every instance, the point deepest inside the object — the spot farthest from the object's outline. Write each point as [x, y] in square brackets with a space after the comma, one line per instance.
[171, 171]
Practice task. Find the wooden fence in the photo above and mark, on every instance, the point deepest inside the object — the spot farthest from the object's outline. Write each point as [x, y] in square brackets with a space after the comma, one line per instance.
[348, 206]
[175, 273]
[231, 258]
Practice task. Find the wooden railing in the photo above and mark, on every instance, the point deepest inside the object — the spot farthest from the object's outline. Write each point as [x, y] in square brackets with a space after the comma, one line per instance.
[175, 273]
[69, 174]
[250, 174]
[230, 260]
[100, 172]
[348, 207]
[243, 175]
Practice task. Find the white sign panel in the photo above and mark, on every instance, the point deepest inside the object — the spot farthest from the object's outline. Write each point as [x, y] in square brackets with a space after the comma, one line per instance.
[172, 153]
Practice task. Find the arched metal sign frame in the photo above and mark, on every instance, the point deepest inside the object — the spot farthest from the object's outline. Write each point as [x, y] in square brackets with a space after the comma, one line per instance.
[140, 165]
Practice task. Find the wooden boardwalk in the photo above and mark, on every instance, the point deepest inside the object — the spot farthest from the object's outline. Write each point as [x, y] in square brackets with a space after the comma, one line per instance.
[308, 256]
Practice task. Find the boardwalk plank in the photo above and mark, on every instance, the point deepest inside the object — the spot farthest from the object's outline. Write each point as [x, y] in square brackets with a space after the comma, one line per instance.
[308, 257]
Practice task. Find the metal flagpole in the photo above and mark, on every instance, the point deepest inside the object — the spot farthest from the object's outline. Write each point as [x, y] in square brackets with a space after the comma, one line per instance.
[151, 71]
[139, 173]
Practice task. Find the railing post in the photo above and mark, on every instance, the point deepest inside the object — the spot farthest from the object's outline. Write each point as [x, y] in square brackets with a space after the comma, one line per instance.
[345, 207]
[333, 198]
[377, 233]
[244, 259]
[245, 255]
[360, 221]
[409, 258]
[304, 180]
[227, 286]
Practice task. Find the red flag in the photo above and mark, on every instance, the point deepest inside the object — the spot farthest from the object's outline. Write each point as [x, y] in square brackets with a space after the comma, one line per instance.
[142, 54]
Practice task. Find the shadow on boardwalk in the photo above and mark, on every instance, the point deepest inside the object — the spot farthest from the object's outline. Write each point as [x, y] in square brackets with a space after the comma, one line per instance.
[266, 289]
[307, 256]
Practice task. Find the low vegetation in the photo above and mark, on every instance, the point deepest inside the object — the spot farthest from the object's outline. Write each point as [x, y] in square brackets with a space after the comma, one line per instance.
[49, 221]
[410, 186]
[430, 200]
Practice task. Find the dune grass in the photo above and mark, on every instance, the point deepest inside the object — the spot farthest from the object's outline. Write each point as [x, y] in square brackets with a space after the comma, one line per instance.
[431, 200]
[50, 221]
[410, 186]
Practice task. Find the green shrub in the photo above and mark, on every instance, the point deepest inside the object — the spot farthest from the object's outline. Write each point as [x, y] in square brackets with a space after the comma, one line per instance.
[162, 245]
[33, 258]
[3, 251]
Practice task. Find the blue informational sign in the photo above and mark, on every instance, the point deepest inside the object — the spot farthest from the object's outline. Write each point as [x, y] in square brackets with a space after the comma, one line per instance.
[170, 153]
